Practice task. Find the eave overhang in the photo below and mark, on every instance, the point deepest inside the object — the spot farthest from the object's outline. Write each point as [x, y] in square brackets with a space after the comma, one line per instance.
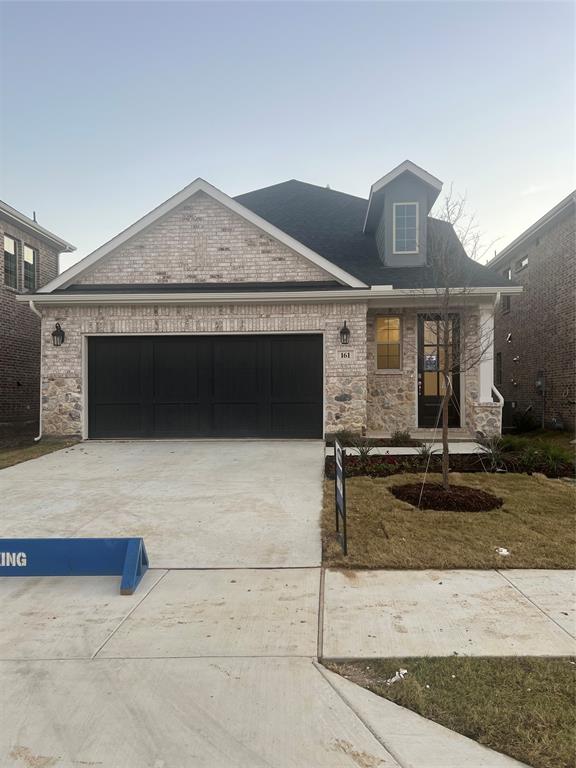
[375, 293]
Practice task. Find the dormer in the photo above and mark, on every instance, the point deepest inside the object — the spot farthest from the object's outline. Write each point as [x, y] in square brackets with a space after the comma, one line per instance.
[397, 214]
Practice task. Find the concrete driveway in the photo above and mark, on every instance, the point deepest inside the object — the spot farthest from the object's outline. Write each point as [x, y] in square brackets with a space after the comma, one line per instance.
[198, 504]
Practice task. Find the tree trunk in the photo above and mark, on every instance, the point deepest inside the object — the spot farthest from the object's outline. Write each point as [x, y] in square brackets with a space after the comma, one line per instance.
[445, 341]
[445, 450]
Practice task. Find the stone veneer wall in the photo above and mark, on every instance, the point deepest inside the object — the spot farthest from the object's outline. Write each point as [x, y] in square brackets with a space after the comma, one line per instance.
[202, 241]
[392, 402]
[345, 381]
[392, 396]
[479, 417]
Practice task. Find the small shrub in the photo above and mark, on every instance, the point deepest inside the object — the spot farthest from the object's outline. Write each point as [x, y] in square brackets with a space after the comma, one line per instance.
[524, 422]
[492, 457]
[362, 445]
[400, 437]
[346, 436]
[529, 459]
[553, 459]
[426, 453]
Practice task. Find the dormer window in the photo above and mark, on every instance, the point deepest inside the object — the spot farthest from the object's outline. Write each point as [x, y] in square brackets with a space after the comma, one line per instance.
[405, 227]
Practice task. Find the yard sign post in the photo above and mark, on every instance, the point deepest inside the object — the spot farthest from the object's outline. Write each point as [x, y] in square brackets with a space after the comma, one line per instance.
[76, 557]
[340, 492]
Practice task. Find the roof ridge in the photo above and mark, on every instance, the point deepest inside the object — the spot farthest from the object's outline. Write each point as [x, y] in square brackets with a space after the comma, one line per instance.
[304, 184]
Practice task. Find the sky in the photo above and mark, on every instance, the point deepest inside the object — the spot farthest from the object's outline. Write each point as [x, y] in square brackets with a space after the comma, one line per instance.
[109, 108]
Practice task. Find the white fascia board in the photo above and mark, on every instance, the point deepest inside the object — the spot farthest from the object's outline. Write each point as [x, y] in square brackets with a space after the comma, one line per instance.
[20, 220]
[199, 185]
[463, 291]
[256, 297]
[409, 166]
[414, 169]
[533, 229]
[64, 299]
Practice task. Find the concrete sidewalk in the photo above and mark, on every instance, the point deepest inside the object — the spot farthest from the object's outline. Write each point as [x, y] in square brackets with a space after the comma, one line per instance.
[371, 614]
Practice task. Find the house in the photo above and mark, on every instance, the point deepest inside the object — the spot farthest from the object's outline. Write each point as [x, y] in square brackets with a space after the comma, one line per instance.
[290, 311]
[30, 260]
[535, 332]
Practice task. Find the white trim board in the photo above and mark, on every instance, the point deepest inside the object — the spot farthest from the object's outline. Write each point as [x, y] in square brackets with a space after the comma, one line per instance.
[199, 185]
[373, 297]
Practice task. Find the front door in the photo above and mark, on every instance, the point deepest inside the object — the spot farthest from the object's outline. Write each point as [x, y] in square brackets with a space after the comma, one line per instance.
[433, 355]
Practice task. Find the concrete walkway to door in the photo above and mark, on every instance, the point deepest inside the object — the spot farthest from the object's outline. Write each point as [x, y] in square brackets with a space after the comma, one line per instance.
[198, 504]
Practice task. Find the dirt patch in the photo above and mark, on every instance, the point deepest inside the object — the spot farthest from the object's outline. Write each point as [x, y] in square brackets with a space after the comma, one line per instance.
[458, 498]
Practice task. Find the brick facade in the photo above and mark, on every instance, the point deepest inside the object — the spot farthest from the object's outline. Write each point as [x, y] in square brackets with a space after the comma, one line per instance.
[63, 381]
[201, 241]
[542, 324]
[20, 337]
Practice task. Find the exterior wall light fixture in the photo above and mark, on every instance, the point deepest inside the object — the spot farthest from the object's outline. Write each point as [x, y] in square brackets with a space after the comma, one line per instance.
[344, 334]
[57, 335]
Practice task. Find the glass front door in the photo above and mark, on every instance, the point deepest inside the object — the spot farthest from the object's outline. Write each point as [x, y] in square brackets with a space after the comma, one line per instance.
[438, 346]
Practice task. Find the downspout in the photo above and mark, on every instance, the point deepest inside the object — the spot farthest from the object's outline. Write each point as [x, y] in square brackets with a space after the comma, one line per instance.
[36, 312]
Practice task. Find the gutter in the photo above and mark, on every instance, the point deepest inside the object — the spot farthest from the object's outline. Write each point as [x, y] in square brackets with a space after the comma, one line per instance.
[263, 297]
[36, 312]
[43, 234]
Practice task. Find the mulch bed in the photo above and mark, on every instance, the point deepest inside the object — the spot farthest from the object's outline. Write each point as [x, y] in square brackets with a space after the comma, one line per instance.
[459, 498]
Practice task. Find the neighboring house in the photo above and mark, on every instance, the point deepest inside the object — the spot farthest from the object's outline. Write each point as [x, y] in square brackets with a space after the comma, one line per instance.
[30, 261]
[535, 332]
[222, 317]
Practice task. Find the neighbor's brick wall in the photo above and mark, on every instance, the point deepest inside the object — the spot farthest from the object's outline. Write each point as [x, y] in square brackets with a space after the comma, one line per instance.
[202, 241]
[542, 322]
[345, 382]
[20, 338]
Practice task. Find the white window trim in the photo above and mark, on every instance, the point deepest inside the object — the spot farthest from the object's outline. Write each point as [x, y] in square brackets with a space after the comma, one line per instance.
[404, 253]
[23, 276]
[388, 371]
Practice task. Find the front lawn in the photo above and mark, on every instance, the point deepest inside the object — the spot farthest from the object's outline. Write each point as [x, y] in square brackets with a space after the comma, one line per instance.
[535, 524]
[22, 449]
[523, 707]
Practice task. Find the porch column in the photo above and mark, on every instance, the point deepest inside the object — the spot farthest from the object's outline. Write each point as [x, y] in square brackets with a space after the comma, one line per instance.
[486, 366]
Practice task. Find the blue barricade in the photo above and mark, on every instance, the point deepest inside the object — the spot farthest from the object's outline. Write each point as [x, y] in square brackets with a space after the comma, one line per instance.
[76, 557]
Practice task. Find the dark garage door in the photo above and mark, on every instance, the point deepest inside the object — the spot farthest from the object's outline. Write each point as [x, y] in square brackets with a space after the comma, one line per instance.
[205, 386]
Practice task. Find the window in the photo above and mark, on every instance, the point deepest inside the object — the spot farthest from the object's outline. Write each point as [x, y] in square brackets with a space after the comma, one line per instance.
[522, 263]
[388, 349]
[498, 369]
[405, 227]
[508, 273]
[505, 303]
[30, 260]
[10, 262]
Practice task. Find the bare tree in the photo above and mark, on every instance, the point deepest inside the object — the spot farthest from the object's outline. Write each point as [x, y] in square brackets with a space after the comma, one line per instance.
[462, 343]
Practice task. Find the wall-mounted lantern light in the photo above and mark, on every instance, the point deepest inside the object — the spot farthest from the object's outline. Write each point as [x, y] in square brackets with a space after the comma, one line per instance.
[57, 336]
[344, 334]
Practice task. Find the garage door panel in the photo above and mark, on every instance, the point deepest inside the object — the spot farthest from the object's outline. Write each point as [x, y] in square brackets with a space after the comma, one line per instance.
[238, 419]
[296, 420]
[296, 369]
[126, 416]
[205, 386]
[177, 364]
[175, 419]
[120, 367]
[237, 369]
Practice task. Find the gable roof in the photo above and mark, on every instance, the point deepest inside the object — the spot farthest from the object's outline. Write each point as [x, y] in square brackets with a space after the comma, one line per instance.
[331, 223]
[200, 185]
[562, 207]
[434, 185]
[34, 228]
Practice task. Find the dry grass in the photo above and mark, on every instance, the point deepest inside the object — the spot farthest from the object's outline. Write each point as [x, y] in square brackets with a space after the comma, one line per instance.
[535, 523]
[523, 707]
[15, 452]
